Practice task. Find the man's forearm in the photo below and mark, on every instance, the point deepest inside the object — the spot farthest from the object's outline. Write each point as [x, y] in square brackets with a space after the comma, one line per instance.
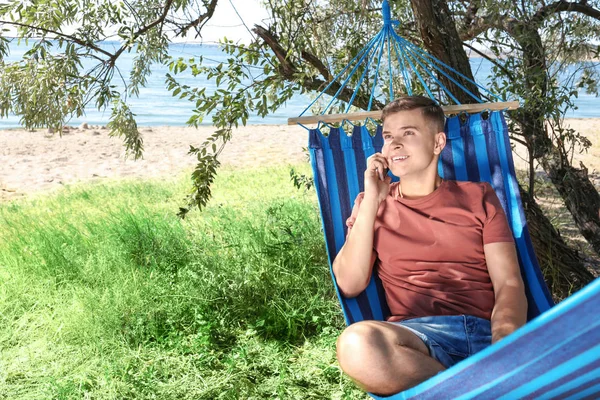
[510, 311]
[353, 264]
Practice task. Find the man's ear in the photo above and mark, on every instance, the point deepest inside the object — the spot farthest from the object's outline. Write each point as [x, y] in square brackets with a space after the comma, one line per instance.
[439, 142]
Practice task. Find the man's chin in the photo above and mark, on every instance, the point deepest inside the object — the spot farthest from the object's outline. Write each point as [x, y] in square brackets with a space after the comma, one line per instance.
[398, 172]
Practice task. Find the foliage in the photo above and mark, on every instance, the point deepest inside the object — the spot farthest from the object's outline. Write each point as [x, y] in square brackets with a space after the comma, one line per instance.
[301, 181]
[543, 55]
[241, 90]
[41, 87]
[122, 123]
[68, 67]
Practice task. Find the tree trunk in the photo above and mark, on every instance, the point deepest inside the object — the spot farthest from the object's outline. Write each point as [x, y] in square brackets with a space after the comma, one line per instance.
[440, 36]
[579, 194]
[576, 189]
[562, 267]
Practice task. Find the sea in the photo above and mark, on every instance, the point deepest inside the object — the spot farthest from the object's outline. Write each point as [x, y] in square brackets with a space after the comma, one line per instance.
[155, 105]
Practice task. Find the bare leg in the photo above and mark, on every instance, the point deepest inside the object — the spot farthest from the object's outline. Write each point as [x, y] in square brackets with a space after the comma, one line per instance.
[384, 358]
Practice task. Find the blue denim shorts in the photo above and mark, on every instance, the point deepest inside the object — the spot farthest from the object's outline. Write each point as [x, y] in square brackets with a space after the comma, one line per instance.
[451, 338]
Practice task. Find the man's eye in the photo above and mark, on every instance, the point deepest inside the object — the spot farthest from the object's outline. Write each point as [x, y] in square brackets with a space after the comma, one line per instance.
[409, 133]
[387, 137]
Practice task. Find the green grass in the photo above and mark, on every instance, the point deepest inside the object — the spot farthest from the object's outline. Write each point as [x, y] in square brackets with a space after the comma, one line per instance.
[106, 294]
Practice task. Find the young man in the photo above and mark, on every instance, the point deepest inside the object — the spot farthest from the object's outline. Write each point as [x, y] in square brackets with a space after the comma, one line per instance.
[443, 250]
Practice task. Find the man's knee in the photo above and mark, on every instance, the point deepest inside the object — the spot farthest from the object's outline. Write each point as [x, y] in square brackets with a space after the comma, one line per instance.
[384, 359]
[359, 342]
[372, 342]
[354, 344]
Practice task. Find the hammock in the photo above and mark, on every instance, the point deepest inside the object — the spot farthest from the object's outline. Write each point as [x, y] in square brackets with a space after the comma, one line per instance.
[557, 353]
[542, 359]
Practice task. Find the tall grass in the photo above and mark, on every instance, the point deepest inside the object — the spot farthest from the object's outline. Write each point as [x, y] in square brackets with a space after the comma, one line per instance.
[105, 294]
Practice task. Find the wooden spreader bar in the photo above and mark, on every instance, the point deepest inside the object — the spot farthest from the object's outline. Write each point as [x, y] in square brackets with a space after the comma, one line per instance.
[362, 115]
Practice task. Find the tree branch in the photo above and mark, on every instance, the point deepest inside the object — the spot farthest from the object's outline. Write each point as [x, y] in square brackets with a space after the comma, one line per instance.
[210, 10]
[337, 14]
[514, 138]
[471, 13]
[286, 67]
[144, 29]
[507, 72]
[73, 39]
[560, 6]
[318, 64]
[289, 72]
[482, 24]
[477, 27]
[156, 22]
[132, 10]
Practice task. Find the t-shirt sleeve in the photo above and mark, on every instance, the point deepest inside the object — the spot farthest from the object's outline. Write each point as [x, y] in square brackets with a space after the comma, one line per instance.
[352, 218]
[495, 226]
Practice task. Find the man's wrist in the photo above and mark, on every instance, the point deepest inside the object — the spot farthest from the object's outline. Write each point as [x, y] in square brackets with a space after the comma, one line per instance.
[502, 332]
[371, 199]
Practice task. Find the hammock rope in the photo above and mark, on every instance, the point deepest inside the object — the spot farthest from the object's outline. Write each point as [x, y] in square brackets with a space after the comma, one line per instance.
[405, 60]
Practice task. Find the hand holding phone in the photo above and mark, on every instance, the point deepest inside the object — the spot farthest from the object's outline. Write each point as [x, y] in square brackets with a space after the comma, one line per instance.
[377, 181]
[383, 174]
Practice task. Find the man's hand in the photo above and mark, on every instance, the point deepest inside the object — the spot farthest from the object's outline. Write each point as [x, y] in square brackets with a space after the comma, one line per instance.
[377, 182]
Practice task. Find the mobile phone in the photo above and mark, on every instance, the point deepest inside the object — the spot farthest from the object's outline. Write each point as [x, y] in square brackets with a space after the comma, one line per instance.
[385, 172]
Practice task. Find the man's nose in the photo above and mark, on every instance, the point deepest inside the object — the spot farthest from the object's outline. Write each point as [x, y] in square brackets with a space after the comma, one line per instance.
[397, 143]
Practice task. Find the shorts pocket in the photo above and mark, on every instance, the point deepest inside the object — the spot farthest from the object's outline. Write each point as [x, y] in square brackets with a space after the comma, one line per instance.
[479, 333]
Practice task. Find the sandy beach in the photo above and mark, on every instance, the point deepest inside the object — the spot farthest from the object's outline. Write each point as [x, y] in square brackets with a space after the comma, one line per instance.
[588, 127]
[33, 162]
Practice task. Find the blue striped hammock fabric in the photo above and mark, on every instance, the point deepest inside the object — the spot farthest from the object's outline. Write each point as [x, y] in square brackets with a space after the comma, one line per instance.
[556, 355]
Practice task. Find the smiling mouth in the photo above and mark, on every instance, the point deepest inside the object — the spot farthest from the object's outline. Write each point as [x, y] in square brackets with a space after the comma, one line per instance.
[399, 158]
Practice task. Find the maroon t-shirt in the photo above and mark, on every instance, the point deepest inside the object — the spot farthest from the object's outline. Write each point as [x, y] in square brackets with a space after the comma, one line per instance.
[430, 254]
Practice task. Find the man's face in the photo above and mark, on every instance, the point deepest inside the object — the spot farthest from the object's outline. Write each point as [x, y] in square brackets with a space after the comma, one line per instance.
[411, 143]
